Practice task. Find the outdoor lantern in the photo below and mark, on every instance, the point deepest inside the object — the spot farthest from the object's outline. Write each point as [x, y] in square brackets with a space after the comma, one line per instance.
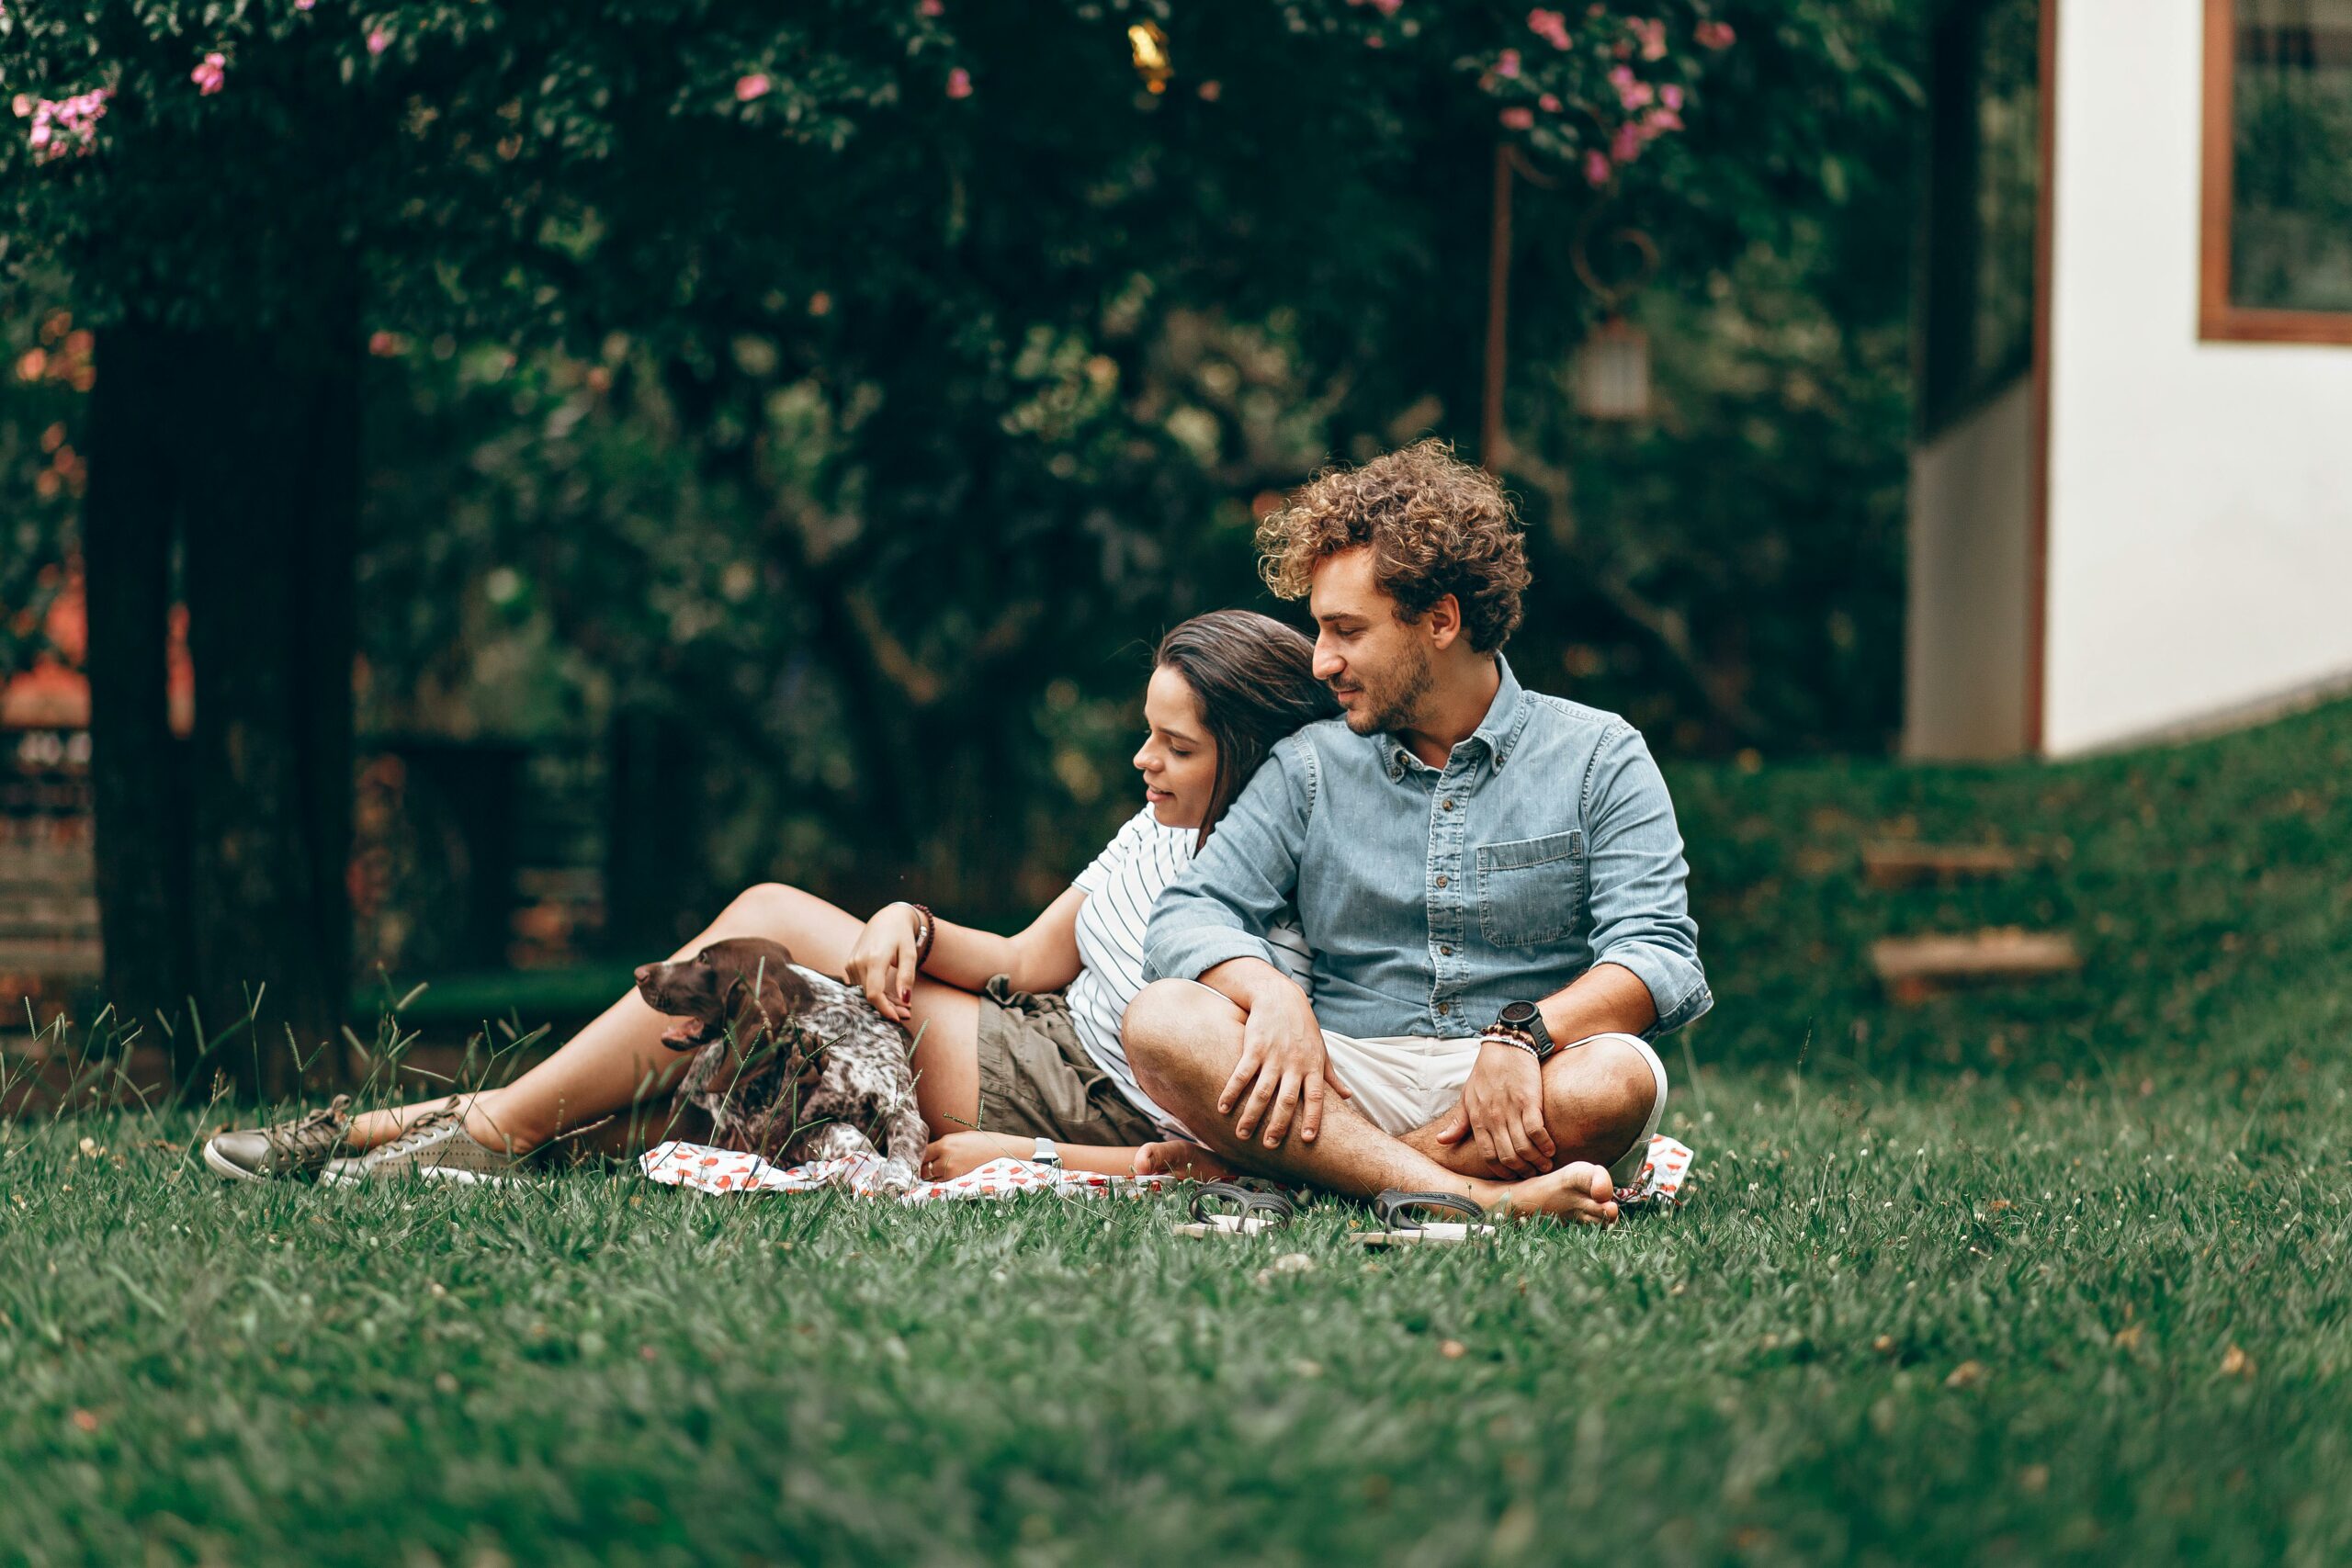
[1149, 46]
[1611, 372]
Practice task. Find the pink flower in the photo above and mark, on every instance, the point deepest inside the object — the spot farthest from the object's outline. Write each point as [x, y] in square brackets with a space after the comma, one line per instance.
[1652, 35]
[1387, 7]
[1597, 168]
[1519, 117]
[64, 124]
[1715, 35]
[210, 75]
[1671, 95]
[1632, 91]
[959, 83]
[1548, 104]
[931, 8]
[1549, 25]
[304, 5]
[1211, 90]
[1626, 144]
[1507, 64]
[378, 41]
[754, 86]
[1658, 122]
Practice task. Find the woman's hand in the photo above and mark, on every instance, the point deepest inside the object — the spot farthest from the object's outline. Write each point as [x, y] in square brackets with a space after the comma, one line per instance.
[944, 1159]
[882, 965]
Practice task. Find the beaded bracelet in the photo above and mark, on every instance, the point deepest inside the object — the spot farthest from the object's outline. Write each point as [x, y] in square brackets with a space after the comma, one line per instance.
[924, 933]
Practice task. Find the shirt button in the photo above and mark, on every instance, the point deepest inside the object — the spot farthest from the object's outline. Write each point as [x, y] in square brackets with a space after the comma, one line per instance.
[1446, 805]
[1445, 953]
[1444, 1007]
[1441, 881]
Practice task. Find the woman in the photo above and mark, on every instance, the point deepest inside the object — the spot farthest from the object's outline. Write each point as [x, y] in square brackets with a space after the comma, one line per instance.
[1017, 1038]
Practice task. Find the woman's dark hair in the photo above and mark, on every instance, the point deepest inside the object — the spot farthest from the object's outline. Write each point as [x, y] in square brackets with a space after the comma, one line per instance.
[1254, 678]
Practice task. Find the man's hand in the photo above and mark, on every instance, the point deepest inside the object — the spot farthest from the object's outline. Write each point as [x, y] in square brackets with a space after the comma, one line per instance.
[1502, 1107]
[1282, 1070]
[882, 965]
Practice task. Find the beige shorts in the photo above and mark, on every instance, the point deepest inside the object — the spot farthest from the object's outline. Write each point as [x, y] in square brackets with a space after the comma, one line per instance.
[1401, 1083]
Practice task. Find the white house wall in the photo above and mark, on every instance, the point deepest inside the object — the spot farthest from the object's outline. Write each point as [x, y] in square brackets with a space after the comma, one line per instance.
[2201, 493]
[1964, 654]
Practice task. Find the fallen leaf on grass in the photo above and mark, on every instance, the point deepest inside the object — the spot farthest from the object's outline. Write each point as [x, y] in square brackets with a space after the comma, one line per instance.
[2128, 1339]
[1453, 1349]
[1968, 1374]
[1884, 1344]
[2236, 1364]
[86, 1420]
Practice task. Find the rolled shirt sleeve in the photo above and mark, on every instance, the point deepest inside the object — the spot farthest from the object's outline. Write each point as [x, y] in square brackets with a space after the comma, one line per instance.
[1640, 908]
[1244, 878]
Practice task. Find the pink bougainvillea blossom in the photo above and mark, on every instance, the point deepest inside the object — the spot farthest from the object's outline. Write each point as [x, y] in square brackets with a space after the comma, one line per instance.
[1597, 168]
[1519, 117]
[304, 5]
[1651, 34]
[1715, 35]
[1632, 91]
[62, 126]
[210, 75]
[1507, 64]
[931, 8]
[1626, 144]
[754, 86]
[959, 83]
[1671, 95]
[1549, 25]
[1658, 122]
[1387, 7]
[378, 41]
[1548, 104]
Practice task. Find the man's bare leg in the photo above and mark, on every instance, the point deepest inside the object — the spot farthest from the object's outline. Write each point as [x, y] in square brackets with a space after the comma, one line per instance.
[1597, 1099]
[619, 1061]
[1182, 1039]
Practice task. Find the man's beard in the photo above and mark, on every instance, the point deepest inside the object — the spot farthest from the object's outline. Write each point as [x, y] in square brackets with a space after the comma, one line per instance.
[1396, 709]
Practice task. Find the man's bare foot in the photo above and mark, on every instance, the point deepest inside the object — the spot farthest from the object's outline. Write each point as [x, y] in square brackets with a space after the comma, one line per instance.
[1177, 1159]
[1580, 1194]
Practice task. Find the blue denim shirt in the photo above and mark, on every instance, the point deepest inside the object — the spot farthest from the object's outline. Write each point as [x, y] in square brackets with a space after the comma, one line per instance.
[1432, 897]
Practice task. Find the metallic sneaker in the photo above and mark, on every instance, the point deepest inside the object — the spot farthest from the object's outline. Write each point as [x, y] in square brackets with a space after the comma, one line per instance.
[435, 1147]
[296, 1150]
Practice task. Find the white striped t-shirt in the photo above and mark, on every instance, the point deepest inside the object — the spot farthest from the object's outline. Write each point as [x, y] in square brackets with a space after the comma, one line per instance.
[1121, 887]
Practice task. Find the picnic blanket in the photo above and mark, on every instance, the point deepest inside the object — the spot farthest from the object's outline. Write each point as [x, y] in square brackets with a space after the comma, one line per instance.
[714, 1170]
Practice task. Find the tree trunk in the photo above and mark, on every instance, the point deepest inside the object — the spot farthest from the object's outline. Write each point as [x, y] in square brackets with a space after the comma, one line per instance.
[252, 442]
[140, 798]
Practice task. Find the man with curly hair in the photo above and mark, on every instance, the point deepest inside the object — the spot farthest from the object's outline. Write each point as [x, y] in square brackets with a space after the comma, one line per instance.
[1491, 879]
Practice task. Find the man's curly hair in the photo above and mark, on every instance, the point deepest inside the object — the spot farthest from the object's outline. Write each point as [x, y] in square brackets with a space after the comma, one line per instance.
[1436, 526]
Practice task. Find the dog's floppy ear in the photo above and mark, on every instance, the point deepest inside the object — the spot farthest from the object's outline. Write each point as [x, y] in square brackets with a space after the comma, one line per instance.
[781, 994]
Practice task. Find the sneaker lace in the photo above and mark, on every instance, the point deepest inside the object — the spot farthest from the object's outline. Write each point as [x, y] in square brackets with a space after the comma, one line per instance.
[423, 1127]
[326, 1122]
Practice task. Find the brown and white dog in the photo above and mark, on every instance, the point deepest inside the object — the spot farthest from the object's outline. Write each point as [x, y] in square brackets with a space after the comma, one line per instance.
[791, 1064]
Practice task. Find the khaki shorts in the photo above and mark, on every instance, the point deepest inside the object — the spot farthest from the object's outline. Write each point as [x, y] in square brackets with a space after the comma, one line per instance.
[1037, 1080]
[1399, 1083]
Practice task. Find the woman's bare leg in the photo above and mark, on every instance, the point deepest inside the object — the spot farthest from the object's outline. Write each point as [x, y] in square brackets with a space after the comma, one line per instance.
[618, 1061]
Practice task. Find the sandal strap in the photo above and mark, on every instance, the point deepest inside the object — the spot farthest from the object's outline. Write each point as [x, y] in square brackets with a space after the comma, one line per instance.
[1398, 1209]
[1244, 1201]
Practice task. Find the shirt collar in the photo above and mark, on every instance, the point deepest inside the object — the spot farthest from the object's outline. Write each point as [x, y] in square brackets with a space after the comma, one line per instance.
[1498, 731]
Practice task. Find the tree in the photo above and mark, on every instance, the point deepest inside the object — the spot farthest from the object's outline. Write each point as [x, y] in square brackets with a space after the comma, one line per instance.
[951, 238]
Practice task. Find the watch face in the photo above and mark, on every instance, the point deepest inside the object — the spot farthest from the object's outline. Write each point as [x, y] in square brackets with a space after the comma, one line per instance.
[1519, 1014]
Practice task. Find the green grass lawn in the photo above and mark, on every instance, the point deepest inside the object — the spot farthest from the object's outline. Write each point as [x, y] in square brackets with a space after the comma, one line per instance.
[2042, 1276]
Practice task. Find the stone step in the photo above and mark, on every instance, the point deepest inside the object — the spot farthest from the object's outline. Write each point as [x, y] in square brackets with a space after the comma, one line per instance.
[1916, 967]
[1902, 863]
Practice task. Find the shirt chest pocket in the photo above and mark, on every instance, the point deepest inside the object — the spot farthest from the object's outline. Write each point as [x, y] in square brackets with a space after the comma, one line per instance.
[1531, 891]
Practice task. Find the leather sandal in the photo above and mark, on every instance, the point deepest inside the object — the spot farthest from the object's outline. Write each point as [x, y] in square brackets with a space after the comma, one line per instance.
[1404, 1222]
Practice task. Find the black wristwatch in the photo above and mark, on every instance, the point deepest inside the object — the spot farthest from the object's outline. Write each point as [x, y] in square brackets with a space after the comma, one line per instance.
[1525, 1020]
